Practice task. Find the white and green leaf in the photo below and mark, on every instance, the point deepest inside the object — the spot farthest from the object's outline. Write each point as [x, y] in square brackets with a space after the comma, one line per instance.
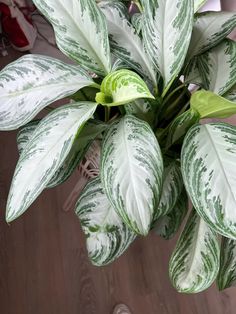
[192, 74]
[194, 264]
[91, 130]
[107, 236]
[167, 30]
[143, 109]
[181, 125]
[31, 83]
[198, 4]
[121, 87]
[210, 105]
[227, 273]
[209, 173]
[80, 30]
[209, 29]
[218, 68]
[171, 188]
[137, 22]
[44, 154]
[125, 42]
[119, 64]
[231, 94]
[24, 134]
[167, 226]
[131, 171]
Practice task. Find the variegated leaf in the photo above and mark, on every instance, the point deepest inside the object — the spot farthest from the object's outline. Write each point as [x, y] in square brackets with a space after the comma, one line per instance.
[171, 188]
[90, 131]
[143, 109]
[24, 134]
[227, 274]
[118, 64]
[181, 125]
[125, 42]
[218, 67]
[121, 87]
[167, 226]
[80, 30]
[231, 94]
[31, 83]
[192, 73]
[131, 171]
[137, 22]
[107, 236]
[209, 173]
[195, 261]
[210, 105]
[44, 154]
[209, 29]
[167, 31]
[198, 4]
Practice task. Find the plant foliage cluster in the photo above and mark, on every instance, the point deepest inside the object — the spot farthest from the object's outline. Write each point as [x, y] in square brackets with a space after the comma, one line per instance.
[146, 74]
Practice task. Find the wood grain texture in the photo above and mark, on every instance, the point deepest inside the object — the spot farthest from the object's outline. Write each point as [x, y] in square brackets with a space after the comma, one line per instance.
[44, 266]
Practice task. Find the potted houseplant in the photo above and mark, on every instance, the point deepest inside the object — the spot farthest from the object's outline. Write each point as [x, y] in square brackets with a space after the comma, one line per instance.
[132, 91]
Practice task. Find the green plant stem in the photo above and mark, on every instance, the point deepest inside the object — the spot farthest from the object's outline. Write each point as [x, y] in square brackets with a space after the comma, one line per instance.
[122, 110]
[169, 125]
[107, 113]
[113, 118]
[167, 88]
[156, 92]
[173, 105]
[85, 96]
[172, 94]
[97, 86]
[161, 134]
[184, 108]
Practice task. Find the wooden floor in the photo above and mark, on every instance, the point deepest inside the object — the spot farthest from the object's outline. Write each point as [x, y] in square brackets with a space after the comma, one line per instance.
[44, 267]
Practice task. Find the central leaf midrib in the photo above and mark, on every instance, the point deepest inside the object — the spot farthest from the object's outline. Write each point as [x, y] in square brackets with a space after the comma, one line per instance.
[42, 87]
[71, 18]
[127, 146]
[164, 27]
[215, 77]
[138, 49]
[220, 162]
[52, 148]
[195, 247]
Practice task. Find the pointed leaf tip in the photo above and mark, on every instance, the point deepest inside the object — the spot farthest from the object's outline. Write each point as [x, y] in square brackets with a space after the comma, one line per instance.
[194, 264]
[107, 236]
[45, 152]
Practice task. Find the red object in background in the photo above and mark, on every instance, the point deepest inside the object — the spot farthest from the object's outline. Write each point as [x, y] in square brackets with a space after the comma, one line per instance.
[17, 26]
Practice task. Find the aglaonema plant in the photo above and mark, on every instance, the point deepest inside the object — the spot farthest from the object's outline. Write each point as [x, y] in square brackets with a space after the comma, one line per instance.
[132, 89]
